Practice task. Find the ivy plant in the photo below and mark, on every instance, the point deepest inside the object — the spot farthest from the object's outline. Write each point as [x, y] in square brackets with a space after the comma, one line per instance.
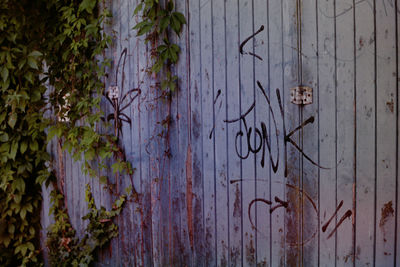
[157, 22]
[52, 72]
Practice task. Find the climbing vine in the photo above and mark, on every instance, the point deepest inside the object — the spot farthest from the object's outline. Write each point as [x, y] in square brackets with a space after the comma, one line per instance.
[65, 249]
[52, 75]
[157, 22]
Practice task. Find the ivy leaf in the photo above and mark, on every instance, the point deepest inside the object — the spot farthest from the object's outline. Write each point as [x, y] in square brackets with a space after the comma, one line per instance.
[87, 5]
[29, 77]
[177, 21]
[35, 54]
[13, 150]
[36, 96]
[23, 147]
[21, 64]
[4, 73]
[12, 120]
[164, 22]
[180, 17]
[145, 29]
[23, 215]
[18, 184]
[170, 6]
[32, 63]
[137, 9]
[34, 146]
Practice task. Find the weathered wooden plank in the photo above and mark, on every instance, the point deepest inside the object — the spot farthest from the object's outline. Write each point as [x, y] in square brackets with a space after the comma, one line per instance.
[397, 225]
[276, 83]
[259, 212]
[309, 135]
[194, 172]
[365, 134]
[293, 223]
[327, 131]
[219, 136]
[233, 112]
[208, 160]
[144, 109]
[247, 98]
[116, 79]
[345, 107]
[125, 226]
[183, 255]
[386, 134]
[135, 247]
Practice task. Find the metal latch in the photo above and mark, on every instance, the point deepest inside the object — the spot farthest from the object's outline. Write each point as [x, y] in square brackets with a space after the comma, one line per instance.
[301, 95]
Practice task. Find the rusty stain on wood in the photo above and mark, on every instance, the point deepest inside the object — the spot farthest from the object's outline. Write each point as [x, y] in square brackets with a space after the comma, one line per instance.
[189, 194]
[387, 211]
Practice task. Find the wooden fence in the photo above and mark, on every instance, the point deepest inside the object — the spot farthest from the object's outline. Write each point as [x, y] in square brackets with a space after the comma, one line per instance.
[230, 172]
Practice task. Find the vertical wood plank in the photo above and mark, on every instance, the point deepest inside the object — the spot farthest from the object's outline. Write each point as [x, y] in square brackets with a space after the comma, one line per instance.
[207, 98]
[277, 180]
[135, 154]
[397, 226]
[194, 175]
[184, 129]
[126, 139]
[386, 81]
[293, 216]
[115, 76]
[219, 136]
[345, 114]
[235, 203]
[259, 212]
[309, 133]
[247, 98]
[181, 241]
[365, 135]
[327, 130]
[143, 112]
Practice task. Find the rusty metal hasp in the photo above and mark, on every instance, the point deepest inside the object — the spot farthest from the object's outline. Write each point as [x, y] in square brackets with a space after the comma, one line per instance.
[301, 95]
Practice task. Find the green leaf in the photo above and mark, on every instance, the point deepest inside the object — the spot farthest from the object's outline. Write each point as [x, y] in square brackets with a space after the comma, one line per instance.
[12, 120]
[35, 54]
[145, 29]
[34, 146]
[4, 73]
[18, 184]
[164, 22]
[170, 6]
[13, 150]
[36, 96]
[32, 63]
[21, 64]
[175, 24]
[140, 25]
[180, 17]
[137, 9]
[87, 5]
[29, 77]
[23, 147]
